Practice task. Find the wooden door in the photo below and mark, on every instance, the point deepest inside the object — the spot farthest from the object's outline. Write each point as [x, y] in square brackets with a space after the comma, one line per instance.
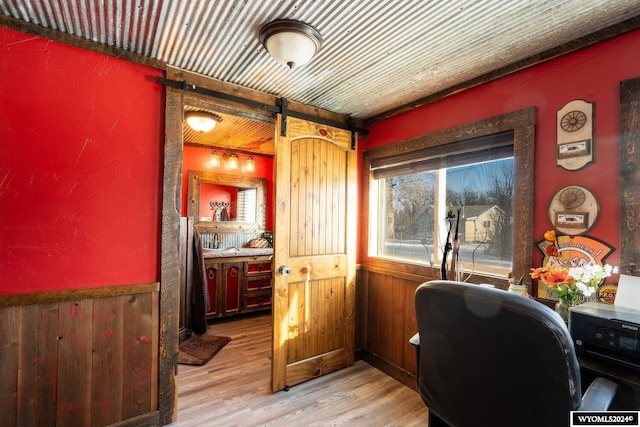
[315, 236]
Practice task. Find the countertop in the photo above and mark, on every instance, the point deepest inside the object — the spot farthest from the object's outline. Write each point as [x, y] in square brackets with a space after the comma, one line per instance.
[235, 252]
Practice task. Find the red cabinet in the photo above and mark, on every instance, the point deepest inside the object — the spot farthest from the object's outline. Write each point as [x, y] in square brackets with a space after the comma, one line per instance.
[257, 267]
[238, 284]
[212, 273]
[231, 288]
[257, 285]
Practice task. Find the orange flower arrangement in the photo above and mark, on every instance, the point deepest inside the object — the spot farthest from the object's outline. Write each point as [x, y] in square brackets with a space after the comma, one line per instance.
[569, 283]
[553, 276]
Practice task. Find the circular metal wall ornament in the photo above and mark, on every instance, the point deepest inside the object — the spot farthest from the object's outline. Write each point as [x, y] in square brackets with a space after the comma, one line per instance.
[573, 210]
[573, 120]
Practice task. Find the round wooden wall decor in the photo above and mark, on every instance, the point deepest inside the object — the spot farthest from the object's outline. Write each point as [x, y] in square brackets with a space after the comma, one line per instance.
[573, 210]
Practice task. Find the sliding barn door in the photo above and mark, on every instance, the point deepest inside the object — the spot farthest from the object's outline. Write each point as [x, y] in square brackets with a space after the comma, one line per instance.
[314, 256]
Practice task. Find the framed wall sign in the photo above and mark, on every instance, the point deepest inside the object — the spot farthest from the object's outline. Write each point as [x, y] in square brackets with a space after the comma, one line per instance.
[574, 131]
[574, 149]
[572, 220]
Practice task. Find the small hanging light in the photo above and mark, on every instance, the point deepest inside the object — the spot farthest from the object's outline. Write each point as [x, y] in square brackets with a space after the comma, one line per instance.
[250, 165]
[232, 161]
[214, 160]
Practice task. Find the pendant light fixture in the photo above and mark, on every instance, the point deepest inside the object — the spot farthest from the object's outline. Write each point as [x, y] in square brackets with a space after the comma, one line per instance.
[250, 164]
[214, 159]
[292, 43]
[232, 161]
[201, 121]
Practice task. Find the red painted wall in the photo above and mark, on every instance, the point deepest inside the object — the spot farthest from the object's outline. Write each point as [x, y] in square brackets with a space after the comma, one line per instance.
[197, 159]
[219, 193]
[81, 140]
[593, 74]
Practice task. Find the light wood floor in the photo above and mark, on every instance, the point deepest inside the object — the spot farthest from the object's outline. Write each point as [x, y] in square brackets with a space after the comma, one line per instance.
[233, 389]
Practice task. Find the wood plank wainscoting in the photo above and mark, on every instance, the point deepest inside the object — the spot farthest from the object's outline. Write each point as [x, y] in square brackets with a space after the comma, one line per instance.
[80, 358]
[386, 316]
[385, 322]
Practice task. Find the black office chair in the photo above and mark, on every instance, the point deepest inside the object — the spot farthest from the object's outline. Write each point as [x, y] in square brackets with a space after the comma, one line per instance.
[487, 357]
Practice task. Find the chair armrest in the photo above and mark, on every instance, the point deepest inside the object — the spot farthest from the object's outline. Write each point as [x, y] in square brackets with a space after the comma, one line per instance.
[415, 340]
[599, 395]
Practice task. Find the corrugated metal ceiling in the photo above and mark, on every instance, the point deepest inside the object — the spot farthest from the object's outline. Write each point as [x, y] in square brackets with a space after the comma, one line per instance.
[377, 55]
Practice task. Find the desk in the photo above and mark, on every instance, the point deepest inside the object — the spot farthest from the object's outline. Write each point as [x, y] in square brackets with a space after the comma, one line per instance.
[628, 395]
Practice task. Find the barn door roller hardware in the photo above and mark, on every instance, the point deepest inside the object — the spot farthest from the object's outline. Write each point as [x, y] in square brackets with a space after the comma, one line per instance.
[282, 109]
[284, 112]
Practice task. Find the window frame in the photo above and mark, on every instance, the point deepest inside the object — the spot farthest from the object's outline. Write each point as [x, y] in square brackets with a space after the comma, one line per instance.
[522, 123]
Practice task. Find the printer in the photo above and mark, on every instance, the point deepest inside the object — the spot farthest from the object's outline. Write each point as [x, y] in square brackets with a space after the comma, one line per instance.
[606, 332]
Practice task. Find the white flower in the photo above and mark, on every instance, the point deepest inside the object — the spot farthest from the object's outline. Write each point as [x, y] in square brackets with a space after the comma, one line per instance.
[610, 270]
[585, 290]
[587, 277]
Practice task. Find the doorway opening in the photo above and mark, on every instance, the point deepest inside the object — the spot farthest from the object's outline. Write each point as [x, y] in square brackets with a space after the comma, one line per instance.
[215, 181]
[238, 290]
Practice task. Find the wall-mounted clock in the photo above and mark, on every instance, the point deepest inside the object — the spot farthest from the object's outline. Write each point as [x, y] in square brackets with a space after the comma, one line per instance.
[575, 135]
[573, 210]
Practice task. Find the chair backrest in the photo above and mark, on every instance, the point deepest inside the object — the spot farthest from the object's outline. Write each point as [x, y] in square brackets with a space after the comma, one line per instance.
[490, 357]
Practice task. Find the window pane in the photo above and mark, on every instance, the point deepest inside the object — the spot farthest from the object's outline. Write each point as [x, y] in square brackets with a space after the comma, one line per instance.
[484, 194]
[407, 216]
[247, 205]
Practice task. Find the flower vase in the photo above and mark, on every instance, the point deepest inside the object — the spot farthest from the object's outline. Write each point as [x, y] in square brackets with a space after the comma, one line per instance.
[562, 308]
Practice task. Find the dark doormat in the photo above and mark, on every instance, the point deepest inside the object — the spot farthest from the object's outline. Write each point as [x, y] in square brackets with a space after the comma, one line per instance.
[199, 349]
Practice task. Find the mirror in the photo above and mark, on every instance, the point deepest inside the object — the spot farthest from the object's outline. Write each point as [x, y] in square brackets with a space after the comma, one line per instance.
[226, 201]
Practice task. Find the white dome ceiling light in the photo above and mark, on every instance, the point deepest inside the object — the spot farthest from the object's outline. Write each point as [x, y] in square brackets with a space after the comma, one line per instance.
[292, 43]
[201, 121]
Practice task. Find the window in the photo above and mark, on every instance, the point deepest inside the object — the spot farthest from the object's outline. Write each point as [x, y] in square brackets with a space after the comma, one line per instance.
[522, 125]
[418, 201]
[247, 204]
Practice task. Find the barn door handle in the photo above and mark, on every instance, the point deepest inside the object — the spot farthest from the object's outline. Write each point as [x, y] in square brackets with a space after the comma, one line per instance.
[284, 270]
